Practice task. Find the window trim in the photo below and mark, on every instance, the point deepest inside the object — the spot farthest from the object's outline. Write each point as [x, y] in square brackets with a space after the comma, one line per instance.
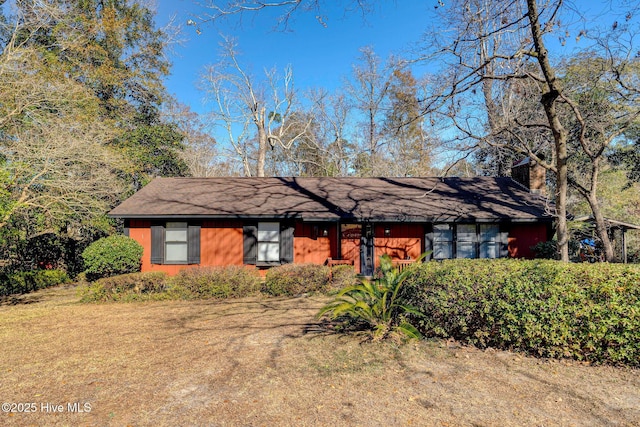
[184, 242]
[495, 241]
[260, 243]
[458, 242]
[451, 241]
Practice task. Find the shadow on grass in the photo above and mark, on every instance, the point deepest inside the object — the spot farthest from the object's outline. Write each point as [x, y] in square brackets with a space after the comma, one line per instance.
[20, 299]
[64, 292]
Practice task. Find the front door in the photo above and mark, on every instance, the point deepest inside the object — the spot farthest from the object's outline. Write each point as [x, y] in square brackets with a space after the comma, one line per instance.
[367, 261]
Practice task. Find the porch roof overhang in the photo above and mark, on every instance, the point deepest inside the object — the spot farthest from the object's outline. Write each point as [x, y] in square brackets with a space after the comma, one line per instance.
[611, 223]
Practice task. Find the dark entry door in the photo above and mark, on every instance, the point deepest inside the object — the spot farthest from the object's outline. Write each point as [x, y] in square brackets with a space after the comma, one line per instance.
[367, 263]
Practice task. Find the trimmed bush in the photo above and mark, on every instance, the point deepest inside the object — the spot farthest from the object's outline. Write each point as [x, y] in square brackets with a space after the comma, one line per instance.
[216, 282]
[296, 279]
[342, 276]
[127, 287]
[111, 256]
[28, 281]
[546, 308]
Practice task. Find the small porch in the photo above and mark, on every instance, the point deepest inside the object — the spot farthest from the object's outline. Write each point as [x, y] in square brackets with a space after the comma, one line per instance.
[617, 231]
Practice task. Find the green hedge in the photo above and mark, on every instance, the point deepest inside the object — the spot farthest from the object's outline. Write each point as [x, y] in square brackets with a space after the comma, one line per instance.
[298, 279]
[28, 281]
[547, 308]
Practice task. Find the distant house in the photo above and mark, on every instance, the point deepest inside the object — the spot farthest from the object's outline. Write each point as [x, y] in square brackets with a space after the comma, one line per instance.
[264, 222]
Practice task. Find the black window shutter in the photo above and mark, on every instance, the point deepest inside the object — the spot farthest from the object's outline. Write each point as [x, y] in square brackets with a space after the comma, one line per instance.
[193, 248]
[286, 243]
[157, 244]
[126, 228]
[250, 234]
[428, 244]
[503, 242]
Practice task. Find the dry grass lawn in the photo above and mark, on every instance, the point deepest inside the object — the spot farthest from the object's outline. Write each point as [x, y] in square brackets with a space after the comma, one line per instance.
[266, 362]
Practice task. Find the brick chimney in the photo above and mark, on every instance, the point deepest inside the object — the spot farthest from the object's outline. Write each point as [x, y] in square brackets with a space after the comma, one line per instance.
[530, 174]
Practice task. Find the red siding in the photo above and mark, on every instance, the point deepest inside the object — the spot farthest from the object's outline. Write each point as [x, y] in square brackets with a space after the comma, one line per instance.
[523, 237]
[310, 246]
[404, 241]
[221, 243]
[141, 232]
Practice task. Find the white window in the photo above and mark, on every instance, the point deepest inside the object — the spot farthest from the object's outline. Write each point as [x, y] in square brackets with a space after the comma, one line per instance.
[489, 241]
[175, 240]
[442, 241]
[466, 241]
[268, 242]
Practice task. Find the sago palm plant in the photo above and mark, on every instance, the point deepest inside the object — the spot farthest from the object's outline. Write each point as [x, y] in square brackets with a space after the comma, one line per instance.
[376, 303]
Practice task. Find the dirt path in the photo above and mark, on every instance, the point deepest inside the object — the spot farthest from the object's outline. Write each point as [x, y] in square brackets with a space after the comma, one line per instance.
[257, 362]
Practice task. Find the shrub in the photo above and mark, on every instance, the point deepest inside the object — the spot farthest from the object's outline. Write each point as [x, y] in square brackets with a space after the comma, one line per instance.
[296, 279]
[546, 308]
[28, 281]
[549, 250]
[546, 250]
[376, 303]
[126, 287]
[216, 282]
[342, 276]
[112, 256]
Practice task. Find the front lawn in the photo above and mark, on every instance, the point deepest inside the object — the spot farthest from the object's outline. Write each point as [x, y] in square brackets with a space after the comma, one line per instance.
[268, 361]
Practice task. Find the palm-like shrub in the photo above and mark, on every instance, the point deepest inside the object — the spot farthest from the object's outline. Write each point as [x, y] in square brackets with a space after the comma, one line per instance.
[376, 304]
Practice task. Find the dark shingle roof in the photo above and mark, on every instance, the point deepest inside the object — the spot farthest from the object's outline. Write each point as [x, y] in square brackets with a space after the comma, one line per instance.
[380, 199]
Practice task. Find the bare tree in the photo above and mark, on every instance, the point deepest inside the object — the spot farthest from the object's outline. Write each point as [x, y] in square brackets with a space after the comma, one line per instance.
[58, 163]
[369, 92]
[201, 152]
[323, 149]
[332, 113]
[252, 113]
[238, 8]
[54, 159]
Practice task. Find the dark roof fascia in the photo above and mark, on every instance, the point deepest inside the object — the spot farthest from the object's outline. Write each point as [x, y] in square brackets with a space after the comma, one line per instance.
[193, 216]
[345, 220]
[493, 220]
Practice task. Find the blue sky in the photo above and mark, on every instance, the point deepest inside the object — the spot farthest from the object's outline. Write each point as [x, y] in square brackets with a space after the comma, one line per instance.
[320, 56]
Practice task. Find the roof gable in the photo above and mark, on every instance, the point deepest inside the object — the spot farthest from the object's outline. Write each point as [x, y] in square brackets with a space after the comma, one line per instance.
[379, 199]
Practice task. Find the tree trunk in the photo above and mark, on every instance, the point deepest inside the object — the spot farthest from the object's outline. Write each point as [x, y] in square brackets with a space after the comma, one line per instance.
[561, 195]
[601, 229]
[262, 142]
[601, 226]
[594, 204]
[548, 101]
